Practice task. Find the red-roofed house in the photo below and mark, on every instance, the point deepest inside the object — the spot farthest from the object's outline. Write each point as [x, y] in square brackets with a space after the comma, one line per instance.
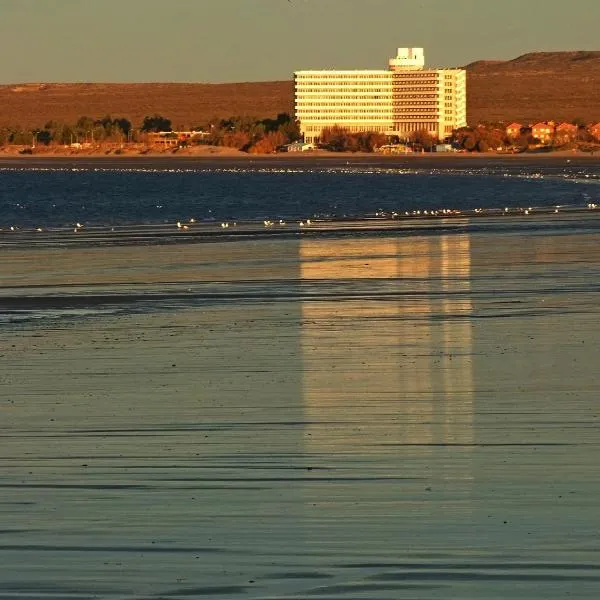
[543, 131]
[595, 130]
[567, 129]
[566, 132]
[514, 130]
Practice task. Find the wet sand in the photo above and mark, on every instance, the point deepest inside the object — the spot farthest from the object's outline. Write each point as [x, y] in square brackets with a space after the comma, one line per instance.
[374, 416]
[300, 160]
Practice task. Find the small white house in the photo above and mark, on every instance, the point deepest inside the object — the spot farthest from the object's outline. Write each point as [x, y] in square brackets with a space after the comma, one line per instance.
[298, 147]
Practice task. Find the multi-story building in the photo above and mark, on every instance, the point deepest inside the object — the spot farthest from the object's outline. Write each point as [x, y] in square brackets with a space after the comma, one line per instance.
[398, 101]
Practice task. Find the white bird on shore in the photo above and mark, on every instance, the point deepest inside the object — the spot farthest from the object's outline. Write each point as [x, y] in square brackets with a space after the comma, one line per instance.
[39, 229]
[78, 225]
[224, 225]
[178, 224]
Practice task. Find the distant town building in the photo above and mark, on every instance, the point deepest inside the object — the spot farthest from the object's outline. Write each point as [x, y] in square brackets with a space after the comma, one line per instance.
[542, 131]
[595, 130]
[398, 101]
[514, 130]
[174, 138]
[567, 129]
[298, 147]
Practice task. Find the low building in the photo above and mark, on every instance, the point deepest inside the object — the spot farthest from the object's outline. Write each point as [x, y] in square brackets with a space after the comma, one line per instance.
[514, 130]
[595, 130]
[394, 149]
[174, 138]
[543, 132]
[567, 129]
[298, 147]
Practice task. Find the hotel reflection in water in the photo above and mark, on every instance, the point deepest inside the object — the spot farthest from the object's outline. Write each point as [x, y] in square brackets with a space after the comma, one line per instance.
[388, 360]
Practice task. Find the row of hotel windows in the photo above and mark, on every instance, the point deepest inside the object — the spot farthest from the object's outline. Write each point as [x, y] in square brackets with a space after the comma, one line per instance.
[415, 126]
[385, 74]
[399, 97]
[312, 83]
[415, 110]
[365, 88]
[411, 74]
[416, 103]
[425, 82]
[338, 99]
[415, 89]
[333, 90]
[345, 111]
[426, 73]
[305, 105]
[353, 128]
[398, 127]
[342, 102]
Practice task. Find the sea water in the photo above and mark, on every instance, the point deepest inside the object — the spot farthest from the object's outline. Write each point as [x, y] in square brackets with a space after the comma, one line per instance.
[369, 406]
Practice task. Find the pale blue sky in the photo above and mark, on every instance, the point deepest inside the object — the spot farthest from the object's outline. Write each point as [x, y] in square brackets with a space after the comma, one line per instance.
[259, 40]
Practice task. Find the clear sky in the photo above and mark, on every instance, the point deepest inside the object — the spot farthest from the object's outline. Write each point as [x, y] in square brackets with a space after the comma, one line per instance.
[259, 40]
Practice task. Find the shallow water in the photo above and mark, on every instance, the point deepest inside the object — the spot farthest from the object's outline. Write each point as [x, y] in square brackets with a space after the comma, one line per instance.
[378, 415]
[58, 193]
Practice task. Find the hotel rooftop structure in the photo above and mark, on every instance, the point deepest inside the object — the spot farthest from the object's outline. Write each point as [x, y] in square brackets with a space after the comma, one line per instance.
[403, 99]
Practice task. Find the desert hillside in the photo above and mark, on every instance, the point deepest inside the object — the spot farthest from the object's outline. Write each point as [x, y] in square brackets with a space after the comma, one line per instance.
[541, 85]
[186, 104]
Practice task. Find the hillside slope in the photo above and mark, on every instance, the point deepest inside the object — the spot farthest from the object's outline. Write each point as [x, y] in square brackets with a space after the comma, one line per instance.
[541, 85]
[186, 104]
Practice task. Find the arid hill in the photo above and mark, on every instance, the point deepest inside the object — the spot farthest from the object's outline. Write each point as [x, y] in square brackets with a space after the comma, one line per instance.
[536, 86]
[186, 104]
[539, 86]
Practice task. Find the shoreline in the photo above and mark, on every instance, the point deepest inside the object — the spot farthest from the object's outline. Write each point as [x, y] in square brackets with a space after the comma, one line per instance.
[238, 159]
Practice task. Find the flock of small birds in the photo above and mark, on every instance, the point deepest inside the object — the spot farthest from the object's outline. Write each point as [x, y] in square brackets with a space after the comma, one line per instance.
[443, 212]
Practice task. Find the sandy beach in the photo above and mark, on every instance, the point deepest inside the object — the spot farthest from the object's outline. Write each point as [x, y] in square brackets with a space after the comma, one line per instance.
[339, 417]
[224, 154]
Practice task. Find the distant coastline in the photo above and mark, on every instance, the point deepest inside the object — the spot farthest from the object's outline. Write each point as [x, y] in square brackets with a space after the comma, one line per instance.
[229, 158]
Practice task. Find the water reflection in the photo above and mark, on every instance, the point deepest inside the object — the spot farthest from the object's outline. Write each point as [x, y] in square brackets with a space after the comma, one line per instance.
[391, 364]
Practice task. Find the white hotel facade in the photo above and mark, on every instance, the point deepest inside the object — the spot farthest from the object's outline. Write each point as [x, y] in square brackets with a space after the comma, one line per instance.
[403, 99]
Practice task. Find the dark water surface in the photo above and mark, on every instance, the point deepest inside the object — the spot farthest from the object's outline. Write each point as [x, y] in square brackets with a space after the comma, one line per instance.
[407, 410]
[51, 193]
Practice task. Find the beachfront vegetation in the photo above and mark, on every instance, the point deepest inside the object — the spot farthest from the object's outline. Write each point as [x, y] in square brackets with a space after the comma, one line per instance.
[242, 133]
[251, 135]
[264, 136]
[339, 139]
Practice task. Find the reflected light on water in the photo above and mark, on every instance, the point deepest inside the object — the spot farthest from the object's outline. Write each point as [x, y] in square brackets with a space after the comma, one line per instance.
[390, 369]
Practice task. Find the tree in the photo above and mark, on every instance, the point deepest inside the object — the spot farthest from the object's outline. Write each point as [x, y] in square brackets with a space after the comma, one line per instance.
[422, 138]
[156, 123]
[268, 144]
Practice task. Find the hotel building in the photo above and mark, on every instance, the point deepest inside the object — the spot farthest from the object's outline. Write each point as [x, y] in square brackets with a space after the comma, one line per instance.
[398, 101]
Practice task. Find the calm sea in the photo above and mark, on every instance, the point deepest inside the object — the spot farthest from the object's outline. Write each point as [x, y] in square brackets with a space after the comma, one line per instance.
[372, 406]
[99, 192]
